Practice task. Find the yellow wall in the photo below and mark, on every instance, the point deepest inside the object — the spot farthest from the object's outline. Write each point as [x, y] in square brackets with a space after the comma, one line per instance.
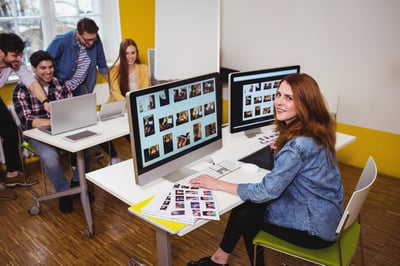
[382, 146]
[138, 23]
[6, 93]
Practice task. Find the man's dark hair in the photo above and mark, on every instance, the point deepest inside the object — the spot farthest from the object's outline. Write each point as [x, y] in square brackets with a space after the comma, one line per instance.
[40, 56]
[11, 42]
[88, 25]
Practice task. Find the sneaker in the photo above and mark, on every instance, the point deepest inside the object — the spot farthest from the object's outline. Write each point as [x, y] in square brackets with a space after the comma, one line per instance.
[98, 155]
[6, 193]
[114, 160]
[65, 204]
[19, 180]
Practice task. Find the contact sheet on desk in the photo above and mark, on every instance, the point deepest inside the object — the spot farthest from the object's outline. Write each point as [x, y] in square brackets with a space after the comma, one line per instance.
[183, 203]
[267, 138]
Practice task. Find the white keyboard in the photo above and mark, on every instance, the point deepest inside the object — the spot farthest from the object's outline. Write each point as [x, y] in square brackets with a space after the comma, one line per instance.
[216, 170]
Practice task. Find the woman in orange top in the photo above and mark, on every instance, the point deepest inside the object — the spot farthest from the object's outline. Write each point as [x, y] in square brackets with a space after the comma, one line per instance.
[127, 73]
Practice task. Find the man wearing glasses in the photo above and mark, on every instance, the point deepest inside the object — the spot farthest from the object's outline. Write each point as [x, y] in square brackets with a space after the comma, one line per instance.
[77, 56]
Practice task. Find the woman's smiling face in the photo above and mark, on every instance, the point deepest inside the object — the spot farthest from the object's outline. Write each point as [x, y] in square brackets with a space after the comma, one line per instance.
[285, 109]
[131, 55]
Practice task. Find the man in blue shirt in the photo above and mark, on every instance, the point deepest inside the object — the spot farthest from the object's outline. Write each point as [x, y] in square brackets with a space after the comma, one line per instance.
[77, 56]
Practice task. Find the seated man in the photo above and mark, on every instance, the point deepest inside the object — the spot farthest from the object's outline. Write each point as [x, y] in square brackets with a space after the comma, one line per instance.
[32, 114]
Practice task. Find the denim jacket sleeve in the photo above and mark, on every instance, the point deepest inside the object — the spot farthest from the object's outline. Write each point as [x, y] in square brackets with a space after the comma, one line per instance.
[65, 50]
[287, 165]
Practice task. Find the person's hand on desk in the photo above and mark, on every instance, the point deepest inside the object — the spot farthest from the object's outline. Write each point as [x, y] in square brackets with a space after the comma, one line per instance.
[41, 122]
[206, 181]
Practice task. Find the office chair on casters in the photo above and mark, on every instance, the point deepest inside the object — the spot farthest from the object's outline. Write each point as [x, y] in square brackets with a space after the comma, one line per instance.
[24, 144]
[35, 208]
[348, 231]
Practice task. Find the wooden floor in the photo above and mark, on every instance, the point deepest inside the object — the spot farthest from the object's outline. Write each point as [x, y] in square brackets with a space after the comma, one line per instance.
[54, 238]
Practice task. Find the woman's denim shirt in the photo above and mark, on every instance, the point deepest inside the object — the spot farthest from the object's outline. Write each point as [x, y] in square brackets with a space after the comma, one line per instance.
[304, 190]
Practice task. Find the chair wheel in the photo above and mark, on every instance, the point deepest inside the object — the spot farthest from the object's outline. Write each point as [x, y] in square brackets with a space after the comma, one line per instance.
[34, 210]
[87, 232]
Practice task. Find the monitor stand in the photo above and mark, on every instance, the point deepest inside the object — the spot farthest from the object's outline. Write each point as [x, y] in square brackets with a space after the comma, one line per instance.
[179, 174]
[251, 133]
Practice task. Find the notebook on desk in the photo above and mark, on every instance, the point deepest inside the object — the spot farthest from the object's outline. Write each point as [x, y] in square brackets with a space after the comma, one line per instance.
[72, 113]
[171, 226]
[112, 110]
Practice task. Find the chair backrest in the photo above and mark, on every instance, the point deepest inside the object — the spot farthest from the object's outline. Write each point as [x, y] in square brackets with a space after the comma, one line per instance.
[102, 92]
[151, 60]
[352, 211]
[14, 115]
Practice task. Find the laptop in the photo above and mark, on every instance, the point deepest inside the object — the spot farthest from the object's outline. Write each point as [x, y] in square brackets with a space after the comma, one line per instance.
[112, 110]
[72, 113]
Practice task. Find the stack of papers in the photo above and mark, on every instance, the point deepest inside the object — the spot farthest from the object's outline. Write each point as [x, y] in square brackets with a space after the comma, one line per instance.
[267, 138]
[182, 203]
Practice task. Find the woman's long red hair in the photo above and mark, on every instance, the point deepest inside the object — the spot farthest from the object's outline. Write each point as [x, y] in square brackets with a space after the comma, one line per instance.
[313, 118]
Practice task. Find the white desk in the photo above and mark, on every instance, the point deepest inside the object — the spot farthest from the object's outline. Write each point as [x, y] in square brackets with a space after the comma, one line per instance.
[235, 146]
[109, 130]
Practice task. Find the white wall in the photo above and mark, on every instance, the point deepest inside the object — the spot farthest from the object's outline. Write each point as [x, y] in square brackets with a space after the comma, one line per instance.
[187, 38]
[352, 49]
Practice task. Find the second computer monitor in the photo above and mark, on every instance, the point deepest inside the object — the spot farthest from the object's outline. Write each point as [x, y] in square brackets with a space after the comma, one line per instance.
[251, 98]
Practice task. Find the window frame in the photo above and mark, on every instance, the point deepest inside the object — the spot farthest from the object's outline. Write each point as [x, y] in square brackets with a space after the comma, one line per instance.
[109, 25]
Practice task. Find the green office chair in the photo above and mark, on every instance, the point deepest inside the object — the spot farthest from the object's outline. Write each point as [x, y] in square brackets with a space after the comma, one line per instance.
[35, 209]
[348, 231]
[25, 145]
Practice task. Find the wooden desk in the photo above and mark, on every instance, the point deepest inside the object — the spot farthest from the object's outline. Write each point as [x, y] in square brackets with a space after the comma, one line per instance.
[235, 146]
[109, 130]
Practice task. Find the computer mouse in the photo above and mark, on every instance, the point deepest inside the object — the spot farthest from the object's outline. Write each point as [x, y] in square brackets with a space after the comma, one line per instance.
[250, 167]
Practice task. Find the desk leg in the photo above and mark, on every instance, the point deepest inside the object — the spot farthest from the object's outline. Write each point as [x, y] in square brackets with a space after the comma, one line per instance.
[163, 248]
[80, 157]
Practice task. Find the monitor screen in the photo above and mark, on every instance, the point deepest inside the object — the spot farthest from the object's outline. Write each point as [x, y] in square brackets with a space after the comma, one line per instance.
[174, 124]
[251, 98]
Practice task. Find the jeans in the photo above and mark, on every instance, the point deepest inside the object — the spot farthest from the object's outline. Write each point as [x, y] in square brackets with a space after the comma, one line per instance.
[245, 220]
[50, 159]
[89, 155]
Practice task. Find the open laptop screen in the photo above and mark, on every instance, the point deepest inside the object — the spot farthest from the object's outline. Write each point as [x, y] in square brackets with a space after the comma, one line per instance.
[72, 113]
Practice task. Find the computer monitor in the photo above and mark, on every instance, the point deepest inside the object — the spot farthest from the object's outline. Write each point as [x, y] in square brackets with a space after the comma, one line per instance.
[251, 98]
[174, 124]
